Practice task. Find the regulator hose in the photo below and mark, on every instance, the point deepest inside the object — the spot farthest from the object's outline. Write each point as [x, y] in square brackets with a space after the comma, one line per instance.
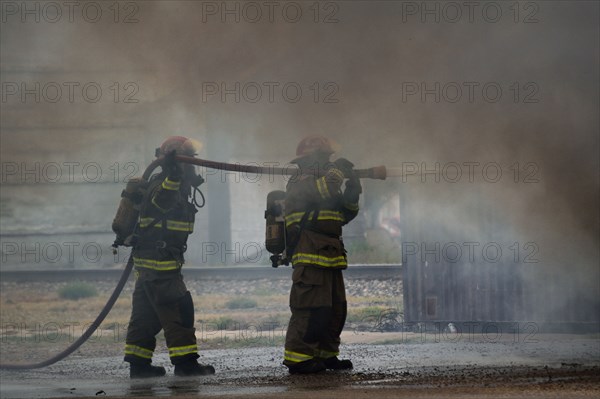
[88, 333]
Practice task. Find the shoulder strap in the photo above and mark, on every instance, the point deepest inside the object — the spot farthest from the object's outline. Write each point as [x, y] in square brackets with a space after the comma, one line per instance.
[291, 248]
[152, 184]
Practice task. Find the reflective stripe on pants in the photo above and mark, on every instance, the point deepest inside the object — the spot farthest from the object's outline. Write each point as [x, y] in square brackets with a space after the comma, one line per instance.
[138, 351]
[296, 357]
[183, 350]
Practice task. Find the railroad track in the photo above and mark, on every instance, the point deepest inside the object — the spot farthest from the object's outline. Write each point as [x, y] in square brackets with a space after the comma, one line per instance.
[356, 272]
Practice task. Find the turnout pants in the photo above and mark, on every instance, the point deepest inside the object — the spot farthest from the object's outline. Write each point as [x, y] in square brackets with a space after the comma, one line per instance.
[161, 301]
[319, 307]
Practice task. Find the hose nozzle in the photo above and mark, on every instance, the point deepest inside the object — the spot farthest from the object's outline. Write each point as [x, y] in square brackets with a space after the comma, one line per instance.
[376, 172]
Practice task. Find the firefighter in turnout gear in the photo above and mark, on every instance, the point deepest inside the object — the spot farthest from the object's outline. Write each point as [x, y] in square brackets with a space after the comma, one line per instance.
[160, 298]
[315, 211]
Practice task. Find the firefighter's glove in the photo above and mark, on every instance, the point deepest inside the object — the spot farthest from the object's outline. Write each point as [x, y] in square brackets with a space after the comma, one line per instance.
[171, 166]
[352, 190]
[345, 166]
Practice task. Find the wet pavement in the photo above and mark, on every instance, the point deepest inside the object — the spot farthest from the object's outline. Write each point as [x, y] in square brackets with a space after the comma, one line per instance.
[469, 362]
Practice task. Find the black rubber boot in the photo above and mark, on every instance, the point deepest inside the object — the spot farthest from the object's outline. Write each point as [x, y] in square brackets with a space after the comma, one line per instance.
[145, 371]
[333, 363]
[192, 368]
[308, 367]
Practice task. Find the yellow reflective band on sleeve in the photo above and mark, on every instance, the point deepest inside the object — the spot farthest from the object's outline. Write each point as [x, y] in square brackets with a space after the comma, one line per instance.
[319, 260]
[173, 225]
[138, 351]
[326, 355]
[296, 217]
[170, 185]
[351, 206]
[338, 173]
[296, 357]
[162, 265]
[322, 187]
[183, 350]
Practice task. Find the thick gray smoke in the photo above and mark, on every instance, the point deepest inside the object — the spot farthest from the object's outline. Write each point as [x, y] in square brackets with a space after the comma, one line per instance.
[393, 83]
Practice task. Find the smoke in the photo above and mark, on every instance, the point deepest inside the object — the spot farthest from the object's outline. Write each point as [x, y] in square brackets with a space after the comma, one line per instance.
[362, 82]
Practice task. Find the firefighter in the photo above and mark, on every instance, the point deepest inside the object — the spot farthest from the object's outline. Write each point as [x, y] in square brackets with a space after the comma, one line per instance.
[315, 211]
[160, 298]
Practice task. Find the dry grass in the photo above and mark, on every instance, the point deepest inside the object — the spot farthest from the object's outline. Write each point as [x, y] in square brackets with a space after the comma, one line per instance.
[40, 321]
[32, 308]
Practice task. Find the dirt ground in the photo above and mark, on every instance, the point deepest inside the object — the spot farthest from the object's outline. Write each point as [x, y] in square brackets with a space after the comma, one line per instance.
[405, 366]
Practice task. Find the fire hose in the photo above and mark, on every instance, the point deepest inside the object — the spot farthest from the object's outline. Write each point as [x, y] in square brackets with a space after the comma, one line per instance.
[378, 172]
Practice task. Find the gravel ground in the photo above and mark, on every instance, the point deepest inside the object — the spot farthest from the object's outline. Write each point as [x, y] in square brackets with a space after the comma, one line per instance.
[355, 288]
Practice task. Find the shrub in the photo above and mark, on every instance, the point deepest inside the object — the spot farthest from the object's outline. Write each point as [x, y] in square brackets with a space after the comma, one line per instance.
[227, 323]
[365, 314]
[75, 291]
[240, 303]
[263, 291]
